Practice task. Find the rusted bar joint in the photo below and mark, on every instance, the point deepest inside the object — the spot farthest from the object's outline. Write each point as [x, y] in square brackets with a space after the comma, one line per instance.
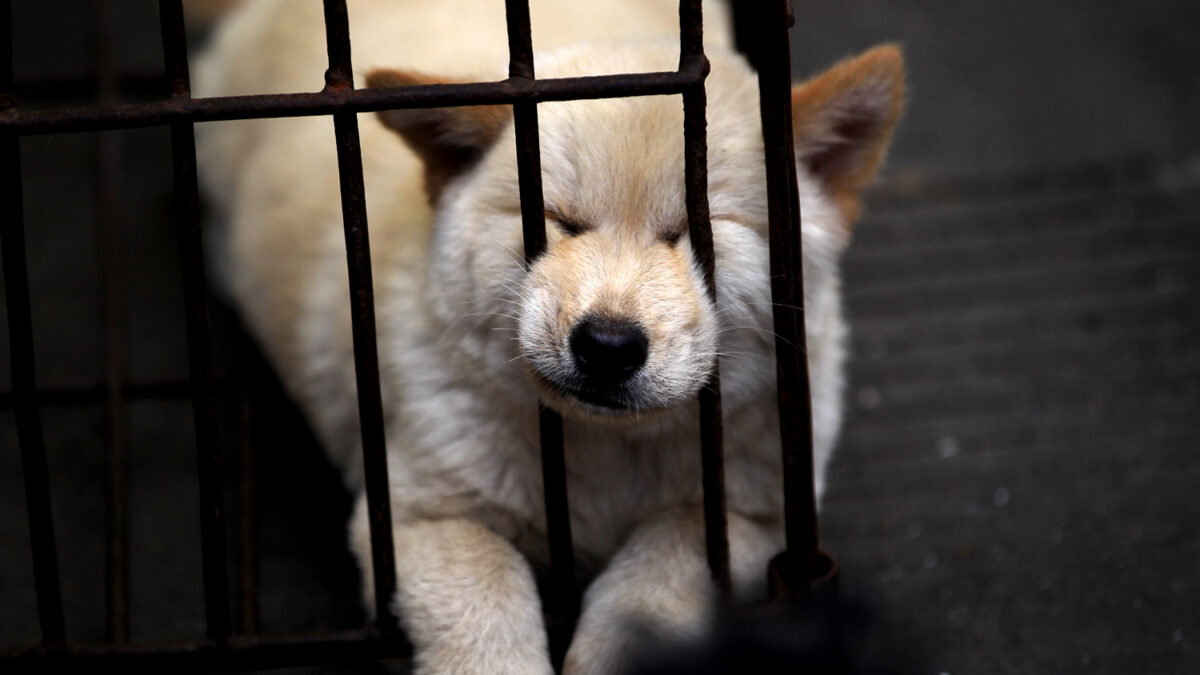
[340, 75]
[786, 589]
[520, 39]
[696, 65]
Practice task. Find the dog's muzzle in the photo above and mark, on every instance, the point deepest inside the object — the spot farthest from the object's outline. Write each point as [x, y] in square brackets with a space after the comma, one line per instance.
[607, 353]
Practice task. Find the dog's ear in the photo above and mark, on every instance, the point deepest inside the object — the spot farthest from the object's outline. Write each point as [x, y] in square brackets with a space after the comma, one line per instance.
[843, 119]
[448, 140]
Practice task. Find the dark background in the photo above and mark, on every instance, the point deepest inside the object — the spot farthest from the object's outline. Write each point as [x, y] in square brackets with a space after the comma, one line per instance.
[1015, 484]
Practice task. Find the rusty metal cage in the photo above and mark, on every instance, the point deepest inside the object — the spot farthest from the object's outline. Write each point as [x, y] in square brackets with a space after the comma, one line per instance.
[761, 32]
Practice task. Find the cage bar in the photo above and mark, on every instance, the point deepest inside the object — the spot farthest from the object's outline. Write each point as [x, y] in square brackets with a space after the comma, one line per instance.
[330, 101]
[107, 172]
[766, 34]
[340, 77]
[712, 447]
[793, 570]
[21, 355]
[250, 370]
[200, 348]
[237, 654]
[97, 393]
[562, 602]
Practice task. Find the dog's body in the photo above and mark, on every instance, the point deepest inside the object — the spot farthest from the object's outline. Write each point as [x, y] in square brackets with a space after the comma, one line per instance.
[462, 325]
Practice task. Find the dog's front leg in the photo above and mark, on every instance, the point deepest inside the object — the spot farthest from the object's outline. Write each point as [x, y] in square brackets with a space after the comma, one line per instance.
[659, 584]
[465, 596]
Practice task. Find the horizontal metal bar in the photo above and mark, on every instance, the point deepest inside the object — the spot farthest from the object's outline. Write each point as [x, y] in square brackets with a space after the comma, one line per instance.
[237, 654]
[331, 100]
[97, 394]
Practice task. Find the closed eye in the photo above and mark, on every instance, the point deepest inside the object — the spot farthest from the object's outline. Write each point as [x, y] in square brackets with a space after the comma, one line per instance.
[673, 236]
[673, 233]
[571, 228]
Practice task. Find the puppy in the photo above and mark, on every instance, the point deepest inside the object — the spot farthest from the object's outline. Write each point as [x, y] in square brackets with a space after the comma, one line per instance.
[611, 326]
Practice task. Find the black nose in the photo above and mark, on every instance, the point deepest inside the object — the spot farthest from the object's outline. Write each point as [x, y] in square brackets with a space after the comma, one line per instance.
[608, 350]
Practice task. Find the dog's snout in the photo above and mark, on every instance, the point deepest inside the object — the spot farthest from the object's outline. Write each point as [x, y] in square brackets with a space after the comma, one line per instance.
[608, 350]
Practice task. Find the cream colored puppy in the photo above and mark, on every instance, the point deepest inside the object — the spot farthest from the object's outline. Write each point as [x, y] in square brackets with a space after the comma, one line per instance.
[611, 326]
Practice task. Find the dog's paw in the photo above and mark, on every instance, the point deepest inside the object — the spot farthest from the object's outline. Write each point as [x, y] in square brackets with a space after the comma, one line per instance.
[449, 660]
[465, 597]
[595, 654]
[618, 621]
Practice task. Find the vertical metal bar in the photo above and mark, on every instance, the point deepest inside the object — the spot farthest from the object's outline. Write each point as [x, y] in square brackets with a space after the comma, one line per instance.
[562, 602]
[362, 314]
[107, 170]
[200, 349]
[562, 606]
[712, 450]
[247, 499]
[24, 380]
[799, 564]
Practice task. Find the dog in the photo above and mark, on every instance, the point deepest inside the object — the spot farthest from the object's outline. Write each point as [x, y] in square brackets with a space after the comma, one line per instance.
[611, 326]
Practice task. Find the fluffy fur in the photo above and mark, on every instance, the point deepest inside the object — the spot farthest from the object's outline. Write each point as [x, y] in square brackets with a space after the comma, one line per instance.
[469, 340]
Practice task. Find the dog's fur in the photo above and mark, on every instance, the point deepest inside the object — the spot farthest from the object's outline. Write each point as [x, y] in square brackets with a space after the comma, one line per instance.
[469, 339]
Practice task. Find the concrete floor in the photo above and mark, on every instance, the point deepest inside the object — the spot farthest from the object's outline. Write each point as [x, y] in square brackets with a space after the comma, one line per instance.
[1014, 484]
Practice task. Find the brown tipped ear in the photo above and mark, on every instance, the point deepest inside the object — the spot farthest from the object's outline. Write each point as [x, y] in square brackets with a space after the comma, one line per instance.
[843, 119]
[448, 140]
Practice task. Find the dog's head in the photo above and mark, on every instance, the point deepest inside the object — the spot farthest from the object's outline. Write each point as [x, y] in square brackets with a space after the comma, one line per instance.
[613, 321]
